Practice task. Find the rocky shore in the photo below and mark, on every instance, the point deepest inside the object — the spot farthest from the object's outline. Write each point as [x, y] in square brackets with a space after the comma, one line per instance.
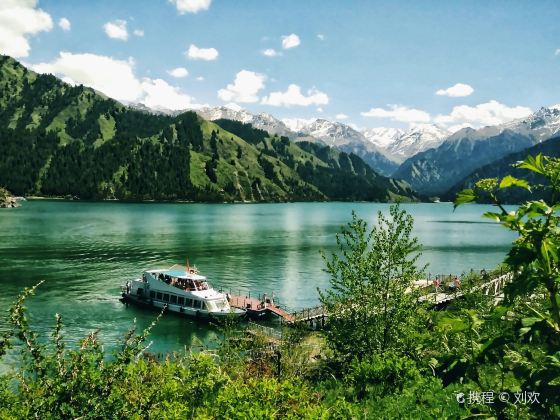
[6, 200]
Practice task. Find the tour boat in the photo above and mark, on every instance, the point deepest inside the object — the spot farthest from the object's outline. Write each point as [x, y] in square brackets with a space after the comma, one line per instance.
[182, 290]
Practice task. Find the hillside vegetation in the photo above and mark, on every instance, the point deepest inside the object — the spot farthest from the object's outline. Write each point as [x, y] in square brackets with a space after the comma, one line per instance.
[505, 166]
[58, 140]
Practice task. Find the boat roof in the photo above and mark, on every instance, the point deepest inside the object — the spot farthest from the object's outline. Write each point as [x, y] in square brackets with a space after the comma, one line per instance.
[180, 272]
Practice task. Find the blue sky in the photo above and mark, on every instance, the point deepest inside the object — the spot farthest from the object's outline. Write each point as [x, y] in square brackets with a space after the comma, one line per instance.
[362, 62]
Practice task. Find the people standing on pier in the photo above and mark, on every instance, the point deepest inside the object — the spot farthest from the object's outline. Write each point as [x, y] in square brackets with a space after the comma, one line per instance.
[437, 283]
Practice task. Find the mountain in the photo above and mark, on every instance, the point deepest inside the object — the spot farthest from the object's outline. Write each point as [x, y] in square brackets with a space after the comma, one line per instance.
[261, 121]
[346, 139]
[383, 137]
[402, 144]
[329, 133]
[504, 166]
[57, 140]
[435, 171]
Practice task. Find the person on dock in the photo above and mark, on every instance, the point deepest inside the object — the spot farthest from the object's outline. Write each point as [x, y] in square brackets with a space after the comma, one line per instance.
[457, 283]
[437, 283]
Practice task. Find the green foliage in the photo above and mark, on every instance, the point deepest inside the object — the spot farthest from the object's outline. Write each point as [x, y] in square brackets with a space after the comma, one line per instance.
[530, 338]
[371, 303]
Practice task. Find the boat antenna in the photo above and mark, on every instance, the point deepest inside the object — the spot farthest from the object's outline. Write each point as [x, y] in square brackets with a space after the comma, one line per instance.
[188, 267]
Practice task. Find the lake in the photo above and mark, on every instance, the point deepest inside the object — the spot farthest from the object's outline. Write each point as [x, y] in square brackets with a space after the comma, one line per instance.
[86, 251]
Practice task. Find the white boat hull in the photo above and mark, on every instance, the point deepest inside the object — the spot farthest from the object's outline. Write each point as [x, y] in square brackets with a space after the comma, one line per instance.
[182, 310]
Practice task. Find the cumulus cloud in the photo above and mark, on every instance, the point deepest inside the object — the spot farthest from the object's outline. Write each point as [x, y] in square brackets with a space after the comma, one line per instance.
[64, 24]
[138, 32]
[557, 52]
[488, 113]
[341, 117]
[159, 94]
[116, 79]
[456, 91]
[245, 87]
[200, 78]
[321, 37]
[290, 41]
[207, 54]
[270, 52]
[178, 72]
[191, 6]
[293, 96]
[116, 29]
[399, 113]
[20, 19]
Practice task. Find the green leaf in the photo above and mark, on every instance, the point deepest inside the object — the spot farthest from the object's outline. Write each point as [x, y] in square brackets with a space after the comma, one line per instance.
[493, 216]
[549, 252]
[534, 164]
[463, 197]
[509, 181]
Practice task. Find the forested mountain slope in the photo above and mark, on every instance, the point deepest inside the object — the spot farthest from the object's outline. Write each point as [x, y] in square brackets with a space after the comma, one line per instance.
[57, 140]
[504, 166]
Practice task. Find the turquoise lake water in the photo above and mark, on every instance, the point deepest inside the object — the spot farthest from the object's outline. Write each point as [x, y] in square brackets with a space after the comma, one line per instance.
[86, 251]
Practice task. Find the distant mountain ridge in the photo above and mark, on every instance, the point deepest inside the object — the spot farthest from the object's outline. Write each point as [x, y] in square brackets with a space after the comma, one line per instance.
[403, 144]
[57, 140]
[382, 148]
[435, 171]
[505, 166]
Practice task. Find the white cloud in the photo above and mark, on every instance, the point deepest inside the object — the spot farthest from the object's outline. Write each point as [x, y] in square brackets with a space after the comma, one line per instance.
[64, 24]
[178, 72]
[191, 6]
[557, 52]
[269, 52]
[196, 53]
[245, 87]
[138, 32]
[294, 96]
[20, 19]
[456, 91]
[116, 79]
[290, 41]
[200, 78]
[319, 109]
[341, 117]
[489, 113]
[159, 94]
[321, 37]
[399, 113]
[116, 29]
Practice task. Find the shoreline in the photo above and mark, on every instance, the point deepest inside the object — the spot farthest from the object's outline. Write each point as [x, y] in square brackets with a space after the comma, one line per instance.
[153, 201]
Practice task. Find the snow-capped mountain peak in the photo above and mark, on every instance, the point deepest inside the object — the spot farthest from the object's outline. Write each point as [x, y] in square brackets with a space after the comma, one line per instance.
[406, 143]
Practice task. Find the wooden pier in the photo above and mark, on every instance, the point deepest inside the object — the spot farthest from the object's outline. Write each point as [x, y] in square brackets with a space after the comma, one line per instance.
[259, 307]
[316, 317]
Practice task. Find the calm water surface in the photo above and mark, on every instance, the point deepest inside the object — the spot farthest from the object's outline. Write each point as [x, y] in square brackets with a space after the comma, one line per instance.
[86, 251]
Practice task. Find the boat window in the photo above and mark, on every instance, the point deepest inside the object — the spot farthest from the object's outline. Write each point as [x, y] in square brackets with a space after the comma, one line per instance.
[173, 299]
[181, 301]
[159, 295]
[204, 305]
[188, 302]
[152, 294]
[196, 304]
[165, 297]
[211, 306]
[139, 291]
